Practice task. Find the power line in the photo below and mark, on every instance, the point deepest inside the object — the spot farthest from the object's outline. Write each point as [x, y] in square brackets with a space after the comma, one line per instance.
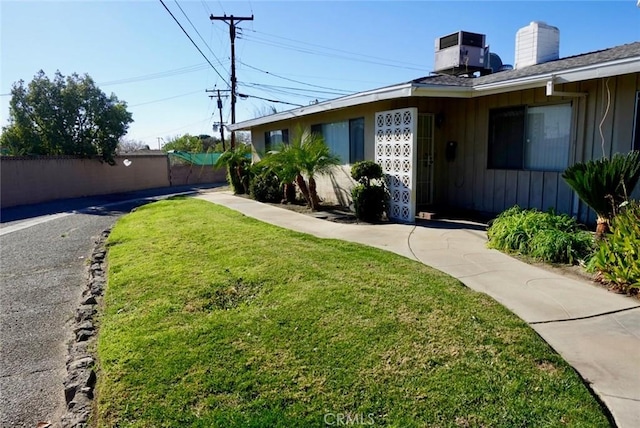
[333, 49]
[266, 99]
[307, 98]
[315, 91]
[221, 7]
[310, 52]
[167, 98]
[158, 75]
[194, 43]
[206, 6]
[177, 129]
[293, 80]
[303, 98]
[198, 33]
[338, 79]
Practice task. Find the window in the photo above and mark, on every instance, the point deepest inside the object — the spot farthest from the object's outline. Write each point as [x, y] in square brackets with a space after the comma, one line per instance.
[345, 139]
[273, 138]
[534, 138]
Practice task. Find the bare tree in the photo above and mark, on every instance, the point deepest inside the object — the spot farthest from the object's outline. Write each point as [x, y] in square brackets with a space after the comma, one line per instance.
[264, 110]
[128, 145]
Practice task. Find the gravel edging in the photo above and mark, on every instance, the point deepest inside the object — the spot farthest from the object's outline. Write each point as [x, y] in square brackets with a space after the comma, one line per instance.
[80, 380]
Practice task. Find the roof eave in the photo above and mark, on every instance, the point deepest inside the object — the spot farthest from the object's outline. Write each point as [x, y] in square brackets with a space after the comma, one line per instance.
[444, 91]
[608, 69]
[595, 71]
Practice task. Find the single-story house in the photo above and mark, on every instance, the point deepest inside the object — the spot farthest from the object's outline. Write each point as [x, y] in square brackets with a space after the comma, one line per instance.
[478, 142]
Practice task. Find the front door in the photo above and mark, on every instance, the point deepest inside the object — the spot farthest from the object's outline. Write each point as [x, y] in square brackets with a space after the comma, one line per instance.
[424, 183]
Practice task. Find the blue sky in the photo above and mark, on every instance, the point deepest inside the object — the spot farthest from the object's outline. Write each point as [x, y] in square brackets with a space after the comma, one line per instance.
[135, 49]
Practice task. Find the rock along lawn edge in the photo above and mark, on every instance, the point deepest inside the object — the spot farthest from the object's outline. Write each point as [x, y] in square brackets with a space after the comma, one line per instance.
[80, 380]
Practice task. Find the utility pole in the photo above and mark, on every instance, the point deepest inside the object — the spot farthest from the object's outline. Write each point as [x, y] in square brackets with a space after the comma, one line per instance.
[232, 22]
[224, 147]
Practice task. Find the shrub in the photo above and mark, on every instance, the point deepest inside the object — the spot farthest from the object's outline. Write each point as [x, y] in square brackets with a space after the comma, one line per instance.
[545, 236]
[618, 256]
[369, 200]
[365, 171]
[265, 187]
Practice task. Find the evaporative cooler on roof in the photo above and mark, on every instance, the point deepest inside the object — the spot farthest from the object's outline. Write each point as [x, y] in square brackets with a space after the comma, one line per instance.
[461, 53]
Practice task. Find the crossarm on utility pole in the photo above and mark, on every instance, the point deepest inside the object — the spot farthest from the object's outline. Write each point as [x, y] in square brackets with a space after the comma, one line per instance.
[224, 147]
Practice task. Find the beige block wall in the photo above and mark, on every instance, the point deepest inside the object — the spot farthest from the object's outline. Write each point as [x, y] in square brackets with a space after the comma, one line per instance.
[181, 175]
[34, 180]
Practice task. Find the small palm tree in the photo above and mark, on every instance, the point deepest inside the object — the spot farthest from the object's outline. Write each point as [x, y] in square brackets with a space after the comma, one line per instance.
[604, 184]
[313, 158]
[305, 155]
[237, 162]
[281, 162]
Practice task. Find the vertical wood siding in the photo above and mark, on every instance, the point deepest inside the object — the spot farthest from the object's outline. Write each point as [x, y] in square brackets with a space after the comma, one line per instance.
[469, 184]
[466, 182]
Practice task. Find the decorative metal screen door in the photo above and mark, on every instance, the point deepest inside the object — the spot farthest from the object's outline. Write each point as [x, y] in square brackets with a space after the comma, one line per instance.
[396, 132]
[424, 165]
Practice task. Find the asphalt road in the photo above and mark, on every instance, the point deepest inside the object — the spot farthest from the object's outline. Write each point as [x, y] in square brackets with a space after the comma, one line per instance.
[43, 255]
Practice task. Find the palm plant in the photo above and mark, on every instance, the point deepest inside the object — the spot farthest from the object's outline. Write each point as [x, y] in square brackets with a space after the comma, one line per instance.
[281, 162]
[313, 158]
[305, 155]
[604, 184]
[237, 162]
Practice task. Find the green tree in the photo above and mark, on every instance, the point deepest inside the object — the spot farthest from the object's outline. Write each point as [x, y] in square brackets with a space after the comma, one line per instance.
[184, 143]
[604, 184]
[64, 116]
[210, 144]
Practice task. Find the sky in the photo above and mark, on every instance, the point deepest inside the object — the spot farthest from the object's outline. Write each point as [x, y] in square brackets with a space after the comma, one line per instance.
[292, 51]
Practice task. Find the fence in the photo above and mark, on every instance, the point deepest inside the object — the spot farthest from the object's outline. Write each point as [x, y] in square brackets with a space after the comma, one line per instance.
[33, 180]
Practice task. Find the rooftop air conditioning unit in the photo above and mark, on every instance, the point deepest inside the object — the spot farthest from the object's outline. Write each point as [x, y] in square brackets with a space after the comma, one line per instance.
[462, 53]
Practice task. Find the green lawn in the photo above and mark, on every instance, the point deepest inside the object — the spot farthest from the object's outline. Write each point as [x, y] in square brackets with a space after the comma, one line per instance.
[215, 319]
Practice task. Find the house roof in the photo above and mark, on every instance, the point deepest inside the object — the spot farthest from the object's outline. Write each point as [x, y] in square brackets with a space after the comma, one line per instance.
[592, 58]
[614, 61]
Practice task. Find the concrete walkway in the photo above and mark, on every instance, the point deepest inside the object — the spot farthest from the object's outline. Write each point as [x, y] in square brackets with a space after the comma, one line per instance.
[596, 331]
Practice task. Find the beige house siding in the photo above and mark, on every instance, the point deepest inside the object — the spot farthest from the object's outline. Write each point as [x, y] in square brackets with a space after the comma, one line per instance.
[334, 188]
[466, 182]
